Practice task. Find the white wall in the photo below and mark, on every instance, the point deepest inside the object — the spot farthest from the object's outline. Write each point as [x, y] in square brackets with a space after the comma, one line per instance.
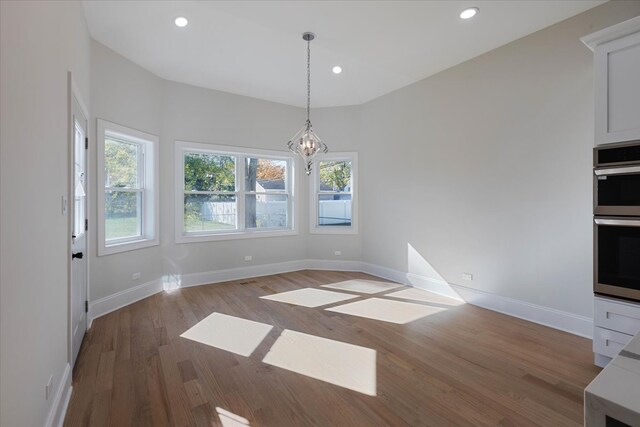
[340, 128]
[124, 93]
[488, 165]
[200, 115]
[40, 42]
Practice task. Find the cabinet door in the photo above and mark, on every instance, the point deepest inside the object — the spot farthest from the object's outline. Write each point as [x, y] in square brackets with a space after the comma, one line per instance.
[617, 95]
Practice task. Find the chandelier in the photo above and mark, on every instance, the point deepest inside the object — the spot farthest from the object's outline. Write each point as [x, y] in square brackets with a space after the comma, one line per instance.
[306, 143]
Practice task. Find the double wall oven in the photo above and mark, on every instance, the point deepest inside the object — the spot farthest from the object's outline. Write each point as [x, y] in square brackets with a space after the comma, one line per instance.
[617, 220]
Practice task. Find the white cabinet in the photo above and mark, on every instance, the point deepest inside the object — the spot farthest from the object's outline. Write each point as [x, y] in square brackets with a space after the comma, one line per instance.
[615, 323]
[616, 52]
[609, 343]
[617, 81]
[617, 315]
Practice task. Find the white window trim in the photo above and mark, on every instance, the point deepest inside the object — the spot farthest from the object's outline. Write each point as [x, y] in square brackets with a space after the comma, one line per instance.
[314, 183]
[242, 233]
[151, 202]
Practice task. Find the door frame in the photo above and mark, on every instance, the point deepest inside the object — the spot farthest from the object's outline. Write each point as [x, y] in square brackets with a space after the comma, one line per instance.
[73, 91]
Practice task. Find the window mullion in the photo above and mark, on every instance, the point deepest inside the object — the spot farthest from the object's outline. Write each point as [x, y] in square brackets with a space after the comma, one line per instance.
[289, 189]
[142, 185]
[240, 191]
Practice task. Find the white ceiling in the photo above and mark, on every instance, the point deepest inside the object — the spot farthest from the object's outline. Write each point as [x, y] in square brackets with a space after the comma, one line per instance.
[255, 48]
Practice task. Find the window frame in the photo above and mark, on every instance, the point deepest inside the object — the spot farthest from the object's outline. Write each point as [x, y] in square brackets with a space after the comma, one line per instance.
[240, 154]
[148, 188]
[314, 193]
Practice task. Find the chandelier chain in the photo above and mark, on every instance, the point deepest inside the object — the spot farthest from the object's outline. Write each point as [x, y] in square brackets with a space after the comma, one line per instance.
[308, 80]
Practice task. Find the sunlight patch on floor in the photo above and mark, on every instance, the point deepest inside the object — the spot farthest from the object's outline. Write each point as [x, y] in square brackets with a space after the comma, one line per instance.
[387, 310]
[234, 334]
[309, 297]
[415, 294]
[345, 365]
[229, 419]
[363, 286]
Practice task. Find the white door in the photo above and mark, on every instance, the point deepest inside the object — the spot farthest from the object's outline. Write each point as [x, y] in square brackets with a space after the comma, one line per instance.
[79, 231]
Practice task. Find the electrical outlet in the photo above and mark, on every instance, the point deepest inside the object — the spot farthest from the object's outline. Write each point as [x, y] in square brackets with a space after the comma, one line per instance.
[467, 276]
[135, 276]
[248, 258]
[47, 388]
[337, 253]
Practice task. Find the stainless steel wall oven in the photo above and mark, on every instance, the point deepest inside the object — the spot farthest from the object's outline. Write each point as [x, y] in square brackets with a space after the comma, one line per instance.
[617, 220]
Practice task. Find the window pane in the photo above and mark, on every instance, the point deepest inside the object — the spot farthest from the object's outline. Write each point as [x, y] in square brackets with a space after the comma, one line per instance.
[122, 212]
[266, 210]
[335, 176]
[334, 209]
[79, 181]
[265, 175]
[207, 172]
[204, 212]
[120, 163]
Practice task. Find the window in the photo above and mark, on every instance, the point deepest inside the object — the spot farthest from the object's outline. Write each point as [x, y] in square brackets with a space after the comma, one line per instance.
[128, 202]
[79, 181]
[333, 198]
[227, 193]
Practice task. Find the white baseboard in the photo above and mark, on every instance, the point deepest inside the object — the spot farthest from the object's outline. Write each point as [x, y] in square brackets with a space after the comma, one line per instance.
[568, 322]
[332, 264]
[61, 400]
[120, 299]
[217, 276]
[557, 319]
[385, 273]
[433, 285]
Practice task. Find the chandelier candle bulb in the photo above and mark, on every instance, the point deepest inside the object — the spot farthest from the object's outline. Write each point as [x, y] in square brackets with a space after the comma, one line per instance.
[306, 143]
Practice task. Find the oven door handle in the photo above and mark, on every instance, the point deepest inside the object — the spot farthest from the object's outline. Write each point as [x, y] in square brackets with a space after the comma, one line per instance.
[618, 222]
[617, 171]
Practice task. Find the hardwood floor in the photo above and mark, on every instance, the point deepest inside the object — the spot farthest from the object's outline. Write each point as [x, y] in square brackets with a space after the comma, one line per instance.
[461, 366]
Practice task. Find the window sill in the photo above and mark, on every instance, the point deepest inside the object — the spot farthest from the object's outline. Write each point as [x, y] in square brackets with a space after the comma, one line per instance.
[334, 230]
[126, 246]
[192, 238]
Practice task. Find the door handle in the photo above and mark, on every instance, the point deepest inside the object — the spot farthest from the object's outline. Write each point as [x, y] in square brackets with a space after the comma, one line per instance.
[77, 255]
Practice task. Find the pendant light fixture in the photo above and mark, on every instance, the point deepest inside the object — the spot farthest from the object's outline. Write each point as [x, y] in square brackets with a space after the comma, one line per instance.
[306, 143]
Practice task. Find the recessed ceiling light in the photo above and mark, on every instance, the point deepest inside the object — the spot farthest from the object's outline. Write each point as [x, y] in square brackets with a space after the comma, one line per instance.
[181, 21]
[469, 13]
[337, 69]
